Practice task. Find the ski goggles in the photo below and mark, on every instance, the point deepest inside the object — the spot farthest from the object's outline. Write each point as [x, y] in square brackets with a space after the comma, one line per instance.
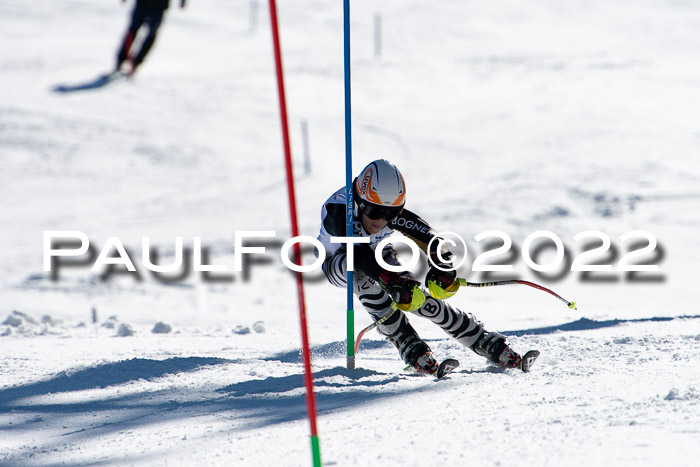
[375, 211]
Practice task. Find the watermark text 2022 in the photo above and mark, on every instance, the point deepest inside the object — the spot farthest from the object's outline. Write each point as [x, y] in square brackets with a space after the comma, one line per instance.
[596, 253]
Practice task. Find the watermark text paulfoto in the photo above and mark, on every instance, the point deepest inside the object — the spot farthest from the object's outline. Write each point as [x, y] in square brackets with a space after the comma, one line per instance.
[598, 253]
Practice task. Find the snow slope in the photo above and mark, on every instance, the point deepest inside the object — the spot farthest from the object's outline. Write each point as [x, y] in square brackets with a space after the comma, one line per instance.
[516, 116]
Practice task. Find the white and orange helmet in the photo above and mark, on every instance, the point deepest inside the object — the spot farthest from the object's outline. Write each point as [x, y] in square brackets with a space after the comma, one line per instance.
[380, 191]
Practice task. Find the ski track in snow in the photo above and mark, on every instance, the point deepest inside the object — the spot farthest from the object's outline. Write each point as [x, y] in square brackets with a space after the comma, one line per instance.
[518, 116]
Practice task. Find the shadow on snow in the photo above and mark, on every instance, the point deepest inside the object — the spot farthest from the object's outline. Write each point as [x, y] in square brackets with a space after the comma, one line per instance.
[100, 81]
[108, 374]
[249, 404]
[330, 350]
[584, 324]
[338, 349]
[246, 405]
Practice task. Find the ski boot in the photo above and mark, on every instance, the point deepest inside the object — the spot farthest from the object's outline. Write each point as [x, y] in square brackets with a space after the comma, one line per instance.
[494, 347]
[426, 364]
[413, 350]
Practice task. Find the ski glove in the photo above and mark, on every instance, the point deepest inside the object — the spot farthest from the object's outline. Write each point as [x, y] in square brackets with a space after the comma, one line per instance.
[441, 278]
[403, 289]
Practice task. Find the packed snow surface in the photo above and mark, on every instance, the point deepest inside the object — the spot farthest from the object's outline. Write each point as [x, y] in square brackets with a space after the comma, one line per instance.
[515, 116]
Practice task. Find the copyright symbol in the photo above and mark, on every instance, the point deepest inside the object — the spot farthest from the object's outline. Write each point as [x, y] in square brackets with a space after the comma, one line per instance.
[443, 239]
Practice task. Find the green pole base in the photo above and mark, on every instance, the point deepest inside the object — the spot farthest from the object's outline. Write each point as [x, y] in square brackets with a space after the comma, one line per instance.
[316, 450]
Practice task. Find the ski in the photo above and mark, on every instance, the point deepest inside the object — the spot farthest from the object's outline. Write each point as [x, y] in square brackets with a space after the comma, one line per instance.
[528, 359]
[116, 76]
[446, 367]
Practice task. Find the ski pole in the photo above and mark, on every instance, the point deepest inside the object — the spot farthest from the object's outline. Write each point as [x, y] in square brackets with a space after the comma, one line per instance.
[389, 314]
[372, 326]
[464, 282]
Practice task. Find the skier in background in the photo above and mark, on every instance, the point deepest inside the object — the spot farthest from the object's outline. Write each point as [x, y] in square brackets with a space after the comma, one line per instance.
[379, 198]
[146, 12]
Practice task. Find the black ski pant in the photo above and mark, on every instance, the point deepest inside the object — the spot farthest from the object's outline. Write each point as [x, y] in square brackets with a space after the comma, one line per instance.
[150, 16]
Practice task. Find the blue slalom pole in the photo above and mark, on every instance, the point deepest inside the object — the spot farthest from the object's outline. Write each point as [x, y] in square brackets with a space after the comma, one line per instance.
[348, 183]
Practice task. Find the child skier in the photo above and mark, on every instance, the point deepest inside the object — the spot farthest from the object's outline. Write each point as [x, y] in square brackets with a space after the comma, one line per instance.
[379, 198]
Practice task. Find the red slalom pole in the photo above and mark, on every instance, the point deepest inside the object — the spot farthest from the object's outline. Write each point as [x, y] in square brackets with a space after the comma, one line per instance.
[306, 352]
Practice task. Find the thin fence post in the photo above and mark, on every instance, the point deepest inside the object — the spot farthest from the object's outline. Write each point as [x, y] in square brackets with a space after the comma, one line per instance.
[377, 35]
[253, 16]
[305, 143]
